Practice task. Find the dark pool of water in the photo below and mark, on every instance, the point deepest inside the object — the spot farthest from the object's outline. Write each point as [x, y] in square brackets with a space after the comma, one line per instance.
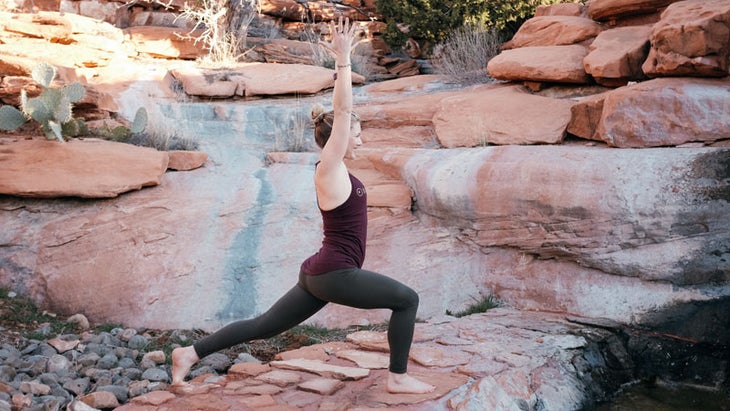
[641, 397]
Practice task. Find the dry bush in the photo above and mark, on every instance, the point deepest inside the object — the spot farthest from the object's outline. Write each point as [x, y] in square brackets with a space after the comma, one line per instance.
[464, 55]
[224, 40]
[292, 134]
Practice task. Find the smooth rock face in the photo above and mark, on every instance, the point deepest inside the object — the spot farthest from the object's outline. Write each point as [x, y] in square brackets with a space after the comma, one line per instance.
[639, 213]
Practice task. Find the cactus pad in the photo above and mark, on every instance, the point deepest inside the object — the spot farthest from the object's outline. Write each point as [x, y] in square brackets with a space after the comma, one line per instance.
[11, 118]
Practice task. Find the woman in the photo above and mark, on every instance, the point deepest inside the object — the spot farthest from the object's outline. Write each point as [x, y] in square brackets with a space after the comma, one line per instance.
[334, 273]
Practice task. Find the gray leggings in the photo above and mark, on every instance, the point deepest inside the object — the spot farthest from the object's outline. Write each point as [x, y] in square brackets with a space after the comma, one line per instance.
[352, 287]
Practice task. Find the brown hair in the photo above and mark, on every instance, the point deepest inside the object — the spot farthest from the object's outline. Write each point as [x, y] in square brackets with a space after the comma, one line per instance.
[323, 123]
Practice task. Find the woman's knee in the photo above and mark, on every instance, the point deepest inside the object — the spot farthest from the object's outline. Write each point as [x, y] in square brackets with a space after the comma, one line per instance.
[408, 297]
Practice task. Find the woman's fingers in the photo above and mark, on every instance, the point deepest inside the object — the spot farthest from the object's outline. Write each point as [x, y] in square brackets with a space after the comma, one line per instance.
[343, 36]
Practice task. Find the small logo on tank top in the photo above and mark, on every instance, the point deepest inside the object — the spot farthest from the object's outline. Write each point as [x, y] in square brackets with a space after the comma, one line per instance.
[360, 191]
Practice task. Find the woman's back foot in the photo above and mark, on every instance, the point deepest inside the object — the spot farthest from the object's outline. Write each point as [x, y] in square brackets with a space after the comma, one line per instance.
[405, 384]
[183, 358]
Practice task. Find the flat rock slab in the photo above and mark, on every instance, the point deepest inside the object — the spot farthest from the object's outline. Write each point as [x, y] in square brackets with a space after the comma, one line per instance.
[78, 168]
[321, 368]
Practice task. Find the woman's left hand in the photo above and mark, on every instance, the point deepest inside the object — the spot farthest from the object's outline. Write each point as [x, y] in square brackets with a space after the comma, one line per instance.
[343, 38]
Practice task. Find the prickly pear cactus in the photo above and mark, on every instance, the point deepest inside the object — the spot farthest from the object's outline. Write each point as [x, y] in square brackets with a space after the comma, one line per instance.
[43, 74]
[11, 118]
[52, 108]
[140, 121]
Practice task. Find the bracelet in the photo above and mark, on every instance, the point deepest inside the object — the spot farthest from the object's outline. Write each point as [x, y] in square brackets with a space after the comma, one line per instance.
[334, 76]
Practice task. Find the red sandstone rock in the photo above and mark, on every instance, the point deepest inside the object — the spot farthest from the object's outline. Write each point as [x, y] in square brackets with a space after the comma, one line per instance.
[280, 378]
[616, 55]
[369, 360]
[166, 42]
[322, 386]
[78, 168]
[683, 110]
[186, 160]
[691, 39]
[153, 398]
[555, 64]
[554, 31]
[100, 400]
[560, 9]
[318, 11]
[322, 368]
[50, 26]
[613, 9]
[248, 369]
[504, 115]
[585, 115]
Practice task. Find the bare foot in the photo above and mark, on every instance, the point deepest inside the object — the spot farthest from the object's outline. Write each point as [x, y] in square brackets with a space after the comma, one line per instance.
[183, 358]
[405, 384]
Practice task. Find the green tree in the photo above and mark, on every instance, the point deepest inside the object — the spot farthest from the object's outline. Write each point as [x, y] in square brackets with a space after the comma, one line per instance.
[431, 21]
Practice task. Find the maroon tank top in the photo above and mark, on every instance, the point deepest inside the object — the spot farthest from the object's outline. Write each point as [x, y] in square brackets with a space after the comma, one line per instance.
[345, 232]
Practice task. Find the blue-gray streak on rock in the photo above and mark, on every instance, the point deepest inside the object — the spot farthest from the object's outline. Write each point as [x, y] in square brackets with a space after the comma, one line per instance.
[240, 274]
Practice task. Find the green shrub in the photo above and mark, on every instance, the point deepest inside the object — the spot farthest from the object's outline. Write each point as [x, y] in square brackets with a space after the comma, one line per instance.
[431, 21]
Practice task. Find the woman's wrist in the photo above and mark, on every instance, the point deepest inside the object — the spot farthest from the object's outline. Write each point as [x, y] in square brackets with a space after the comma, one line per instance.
[348, 65]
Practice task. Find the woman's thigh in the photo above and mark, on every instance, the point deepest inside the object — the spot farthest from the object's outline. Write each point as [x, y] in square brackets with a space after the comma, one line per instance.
[360, 289]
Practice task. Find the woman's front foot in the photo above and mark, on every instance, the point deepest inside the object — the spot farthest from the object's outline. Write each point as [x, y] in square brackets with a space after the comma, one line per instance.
[405, 384]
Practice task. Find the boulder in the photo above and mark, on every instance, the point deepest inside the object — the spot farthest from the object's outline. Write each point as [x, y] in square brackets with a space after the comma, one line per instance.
[52, 27]
[616, 55]
[186, 160]
[602, 10]
[209, 83]
[585, 114]
[256, 79]
[502, 115]
[273, 79]
[166, 42]
[666, 112]
[78, 168]
[552, 64]
[560, 9]
[691, 39]
[317, 11]
[67, 41]
[554, 31]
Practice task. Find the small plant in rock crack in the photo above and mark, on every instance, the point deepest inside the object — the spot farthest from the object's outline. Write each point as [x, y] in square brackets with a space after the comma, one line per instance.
[480, 306]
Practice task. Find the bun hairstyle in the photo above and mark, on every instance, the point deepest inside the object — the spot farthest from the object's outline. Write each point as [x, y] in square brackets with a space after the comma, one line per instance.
[323, 123]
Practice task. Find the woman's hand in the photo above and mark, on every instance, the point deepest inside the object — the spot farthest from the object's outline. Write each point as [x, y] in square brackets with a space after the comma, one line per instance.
[343, 39]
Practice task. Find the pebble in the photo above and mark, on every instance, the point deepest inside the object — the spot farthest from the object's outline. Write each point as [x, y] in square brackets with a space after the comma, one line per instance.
[79, 372]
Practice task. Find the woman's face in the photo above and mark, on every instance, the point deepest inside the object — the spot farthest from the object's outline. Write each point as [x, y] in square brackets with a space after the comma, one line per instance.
[355, 140]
